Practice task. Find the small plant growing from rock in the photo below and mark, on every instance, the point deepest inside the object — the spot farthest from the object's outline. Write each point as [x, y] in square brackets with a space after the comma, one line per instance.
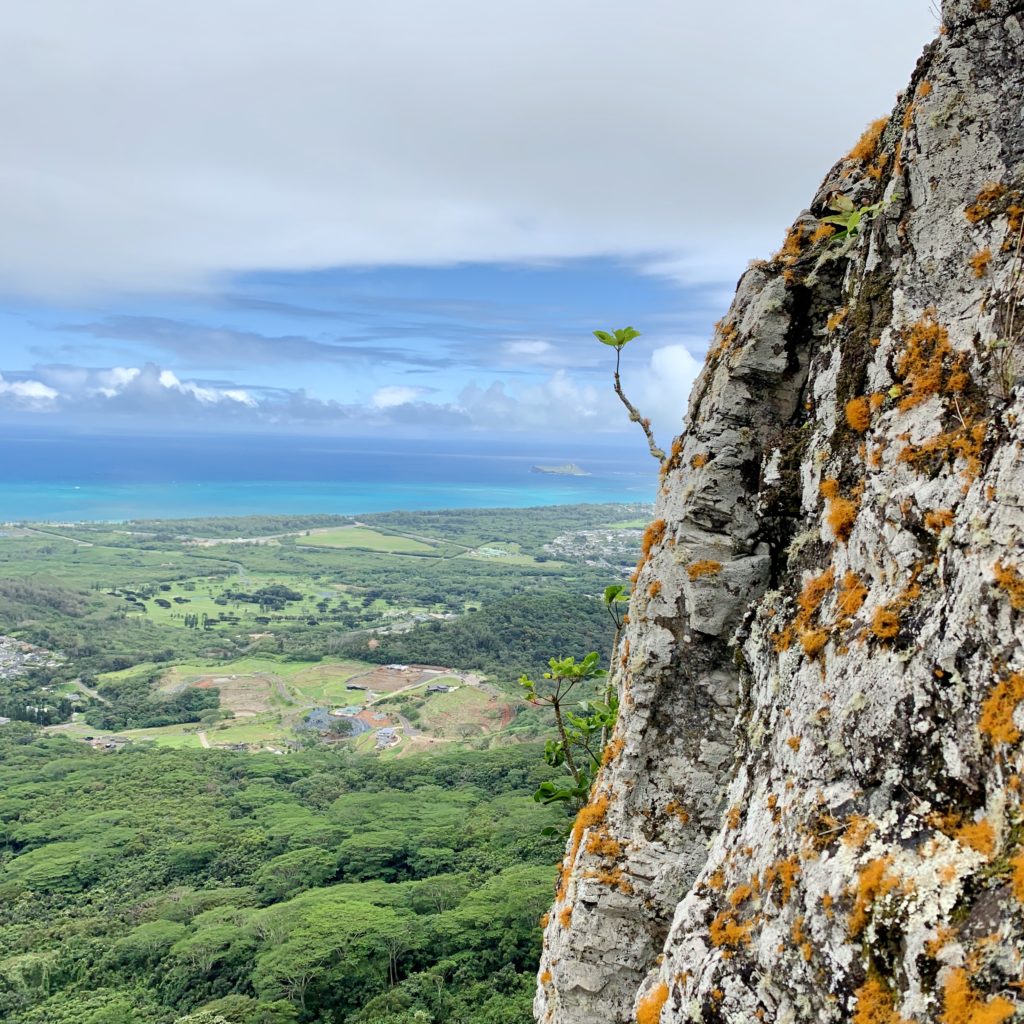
[581, 727]
[618, 340]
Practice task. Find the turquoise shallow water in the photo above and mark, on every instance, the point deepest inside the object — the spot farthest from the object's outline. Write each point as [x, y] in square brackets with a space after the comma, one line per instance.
[67, 503]
[68, 479]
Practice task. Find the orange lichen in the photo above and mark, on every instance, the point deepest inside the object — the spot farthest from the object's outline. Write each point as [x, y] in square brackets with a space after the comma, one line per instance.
[565, 915]
[544, 920]
[841, 515]
[785, 872]
[964, 442]
[938, 519]
[700, 459]
[648, 1010]
[935, 945]
[726, 332]
[878, 166]
[867, 144]
[997, 711]
[822, 232]
[980, 261]
[885, 623]
[836, 319]
[814, 592]
[928, 365]
[808, 602]
[613, 878]
[978, 835]
[654, 589]
[716, 880]
[740, 894]
[653, 535]
[603, 844]
[858, 414]
[676, 808]
[793, 742]
[732, 817]
[612, 751]
[961, 1004]
[726, 930]
[875, 1004]
[705, 567]
[793, 245]
[788, 870]
[852, 594]
[674, 459]
[813, 642]
[983, 207]
[873, 883]
[1008, 578]
[924, 89]
[908, 116]
[591, 815]
[1017, 876]
[545, 978]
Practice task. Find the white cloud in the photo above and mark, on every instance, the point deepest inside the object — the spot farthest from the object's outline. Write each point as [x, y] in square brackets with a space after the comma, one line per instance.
[203, 394]
[532, 349]
[116, 379]
[394, 394]
[30, 393]
[156, 145]
[562, 404]
[663, 388]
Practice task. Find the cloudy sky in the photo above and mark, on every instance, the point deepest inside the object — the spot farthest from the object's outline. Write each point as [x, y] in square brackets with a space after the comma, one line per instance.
[327, 216]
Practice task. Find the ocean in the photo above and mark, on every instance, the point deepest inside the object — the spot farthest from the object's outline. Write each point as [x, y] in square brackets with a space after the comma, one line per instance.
[60, 478]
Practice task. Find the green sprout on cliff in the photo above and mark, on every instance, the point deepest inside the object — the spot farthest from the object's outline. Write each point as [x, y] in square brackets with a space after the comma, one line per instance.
[618, 340]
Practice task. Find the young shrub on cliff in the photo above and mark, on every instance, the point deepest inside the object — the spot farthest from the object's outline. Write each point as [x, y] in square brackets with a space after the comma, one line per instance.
[582, 727]
[618, 340]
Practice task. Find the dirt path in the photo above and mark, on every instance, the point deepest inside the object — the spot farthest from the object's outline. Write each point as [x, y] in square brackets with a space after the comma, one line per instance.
[203, 741]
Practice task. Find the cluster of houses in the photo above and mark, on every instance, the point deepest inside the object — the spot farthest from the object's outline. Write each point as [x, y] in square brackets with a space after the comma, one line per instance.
[605, 548]
[17, 657]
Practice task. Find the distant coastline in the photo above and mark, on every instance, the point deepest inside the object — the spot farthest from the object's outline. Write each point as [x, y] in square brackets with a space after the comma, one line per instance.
[568, 469]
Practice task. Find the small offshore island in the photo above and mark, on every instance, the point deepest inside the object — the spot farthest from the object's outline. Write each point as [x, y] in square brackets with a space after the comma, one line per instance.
[568, 469]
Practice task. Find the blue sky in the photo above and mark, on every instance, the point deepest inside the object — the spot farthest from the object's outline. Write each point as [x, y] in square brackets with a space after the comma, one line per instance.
[267, 216]
[344, 350]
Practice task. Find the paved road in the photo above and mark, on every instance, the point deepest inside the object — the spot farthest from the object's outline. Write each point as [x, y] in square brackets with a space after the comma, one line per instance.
[89, 691]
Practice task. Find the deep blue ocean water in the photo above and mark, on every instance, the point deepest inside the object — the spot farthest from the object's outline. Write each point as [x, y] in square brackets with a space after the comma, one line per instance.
[68, 478]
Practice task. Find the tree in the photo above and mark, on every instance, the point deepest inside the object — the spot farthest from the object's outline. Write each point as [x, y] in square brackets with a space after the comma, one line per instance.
[579, 746]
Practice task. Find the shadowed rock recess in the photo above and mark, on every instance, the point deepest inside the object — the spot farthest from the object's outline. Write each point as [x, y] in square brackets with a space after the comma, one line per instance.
[811, 807]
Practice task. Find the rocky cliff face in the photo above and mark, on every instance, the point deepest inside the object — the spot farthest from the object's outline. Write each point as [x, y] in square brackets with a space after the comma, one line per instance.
[811, 809]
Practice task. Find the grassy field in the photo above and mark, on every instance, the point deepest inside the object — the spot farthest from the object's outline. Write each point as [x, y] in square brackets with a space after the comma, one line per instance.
[361, 537]
[268, 698]
[186, 609]
[507, 553]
